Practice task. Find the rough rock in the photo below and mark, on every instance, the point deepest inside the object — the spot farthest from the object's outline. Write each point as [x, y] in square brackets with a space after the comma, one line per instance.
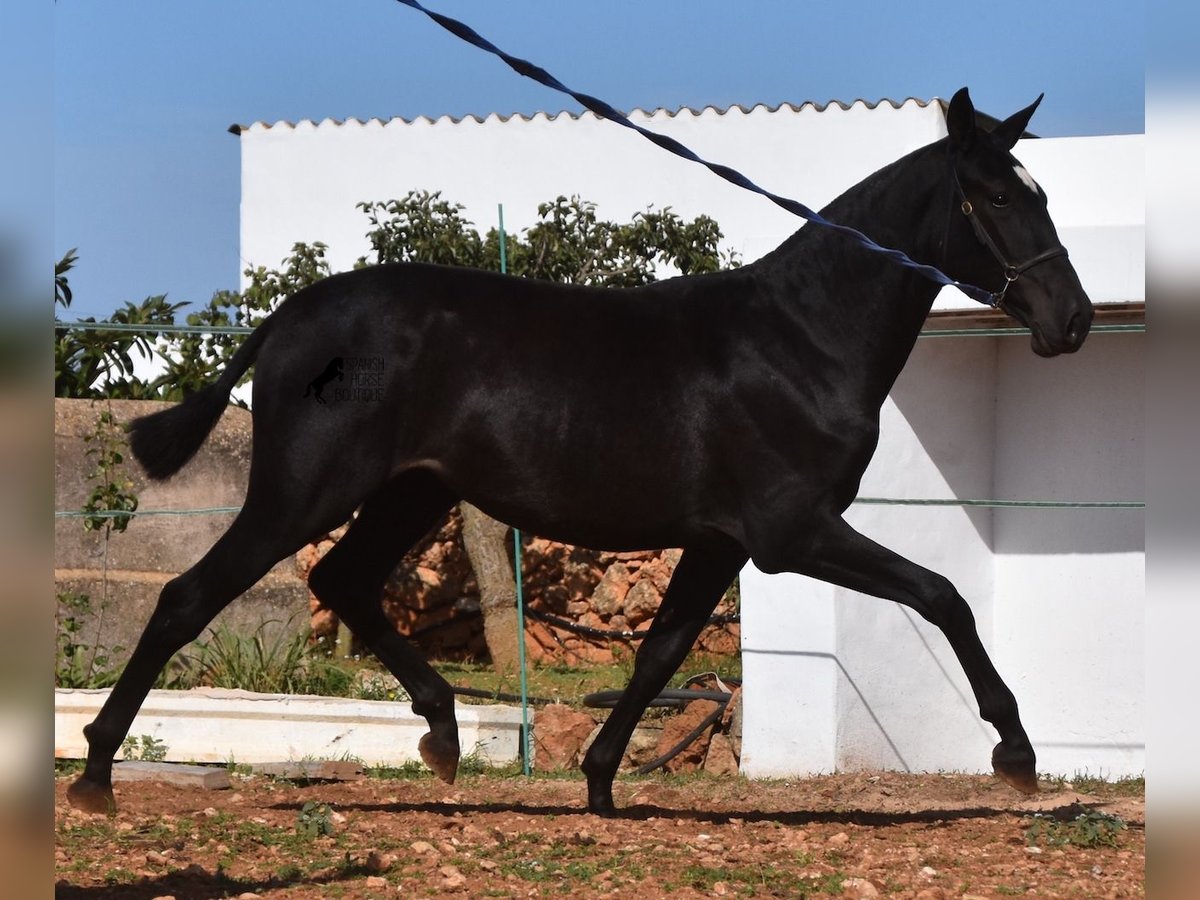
[720, 759]
[676, 729]
[609, 594]
[559, 734]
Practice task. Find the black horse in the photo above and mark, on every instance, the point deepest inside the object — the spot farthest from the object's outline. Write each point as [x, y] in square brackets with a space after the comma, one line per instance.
[730, 414]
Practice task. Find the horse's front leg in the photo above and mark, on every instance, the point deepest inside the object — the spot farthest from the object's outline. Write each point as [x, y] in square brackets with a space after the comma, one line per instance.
[840, 555]
[701, 578]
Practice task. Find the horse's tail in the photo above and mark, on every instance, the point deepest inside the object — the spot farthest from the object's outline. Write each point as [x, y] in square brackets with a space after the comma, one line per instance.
[164, 441]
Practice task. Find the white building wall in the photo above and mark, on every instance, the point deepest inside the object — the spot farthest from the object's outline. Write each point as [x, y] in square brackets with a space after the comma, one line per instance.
[900, 699]
[1058, 594]
[1071, 627]
[300, 183]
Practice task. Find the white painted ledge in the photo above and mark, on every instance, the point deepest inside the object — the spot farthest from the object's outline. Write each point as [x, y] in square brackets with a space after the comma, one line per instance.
[216, 725]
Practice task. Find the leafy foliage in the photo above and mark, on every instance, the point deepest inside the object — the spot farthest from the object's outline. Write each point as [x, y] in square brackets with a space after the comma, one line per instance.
[1090, 829]
[314, 820]
[570, 243]
[113, 491]
[80, 664]
[144, 747]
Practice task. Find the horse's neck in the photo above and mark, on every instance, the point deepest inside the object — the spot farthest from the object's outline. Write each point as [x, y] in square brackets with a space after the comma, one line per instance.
[866, 305]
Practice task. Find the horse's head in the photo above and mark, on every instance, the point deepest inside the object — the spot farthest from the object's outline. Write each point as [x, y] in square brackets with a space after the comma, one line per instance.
[1000, 235]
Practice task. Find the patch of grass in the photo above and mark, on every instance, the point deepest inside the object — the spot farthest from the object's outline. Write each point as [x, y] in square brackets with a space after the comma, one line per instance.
[119, 875]
[1125, 786]
[1086, 783]
[68, 767]
[1087, 830]
[831, 884]
[411, 770]
[756, 879]
[566, 684]
[289, 872]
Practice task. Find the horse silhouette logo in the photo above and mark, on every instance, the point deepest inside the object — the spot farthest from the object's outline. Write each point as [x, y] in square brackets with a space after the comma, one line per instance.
[317, 385]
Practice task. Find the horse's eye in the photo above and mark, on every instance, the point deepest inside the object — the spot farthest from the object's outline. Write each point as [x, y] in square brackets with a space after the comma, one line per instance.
[999, 200]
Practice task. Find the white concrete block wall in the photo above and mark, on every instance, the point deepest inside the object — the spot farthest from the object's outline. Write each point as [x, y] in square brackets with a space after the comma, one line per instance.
[900, 680]
[897, 682]
[1071, 625]
[789, 667]
[1058, 594]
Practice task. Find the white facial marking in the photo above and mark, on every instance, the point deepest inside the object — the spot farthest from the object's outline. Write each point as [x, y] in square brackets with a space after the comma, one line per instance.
[1026, 178]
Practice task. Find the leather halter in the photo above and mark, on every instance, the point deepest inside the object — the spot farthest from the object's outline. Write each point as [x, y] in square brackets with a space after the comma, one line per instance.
[1012, 271]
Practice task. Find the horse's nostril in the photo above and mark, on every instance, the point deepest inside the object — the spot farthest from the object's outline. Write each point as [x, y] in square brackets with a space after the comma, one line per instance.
[1076, 329]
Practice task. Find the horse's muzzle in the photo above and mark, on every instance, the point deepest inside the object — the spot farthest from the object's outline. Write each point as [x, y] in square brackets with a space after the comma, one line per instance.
[1069, 340]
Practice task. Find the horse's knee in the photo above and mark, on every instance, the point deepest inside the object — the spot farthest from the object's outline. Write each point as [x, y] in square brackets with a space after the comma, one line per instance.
[181, 614]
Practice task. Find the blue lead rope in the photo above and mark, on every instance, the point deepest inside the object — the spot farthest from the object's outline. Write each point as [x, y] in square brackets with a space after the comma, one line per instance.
[605, 111]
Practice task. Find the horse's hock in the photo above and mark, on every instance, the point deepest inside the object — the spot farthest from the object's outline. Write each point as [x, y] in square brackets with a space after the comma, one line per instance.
[127, 571]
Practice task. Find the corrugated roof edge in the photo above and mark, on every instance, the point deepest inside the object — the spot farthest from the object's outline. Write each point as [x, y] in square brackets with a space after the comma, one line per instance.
[670, 113]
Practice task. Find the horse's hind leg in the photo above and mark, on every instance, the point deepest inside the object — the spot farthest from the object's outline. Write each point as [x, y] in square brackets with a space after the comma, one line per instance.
[246, 552]
[701, 578]
[842, 556]
[350, 579]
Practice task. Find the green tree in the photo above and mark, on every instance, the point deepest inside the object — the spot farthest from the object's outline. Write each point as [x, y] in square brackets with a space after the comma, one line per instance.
[95, 362]
[85, 357]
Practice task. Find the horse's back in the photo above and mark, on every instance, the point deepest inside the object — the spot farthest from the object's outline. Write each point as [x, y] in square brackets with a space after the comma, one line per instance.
[532, 399]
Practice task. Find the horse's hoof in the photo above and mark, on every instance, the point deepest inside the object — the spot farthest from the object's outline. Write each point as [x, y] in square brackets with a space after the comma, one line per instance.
[1015, 769]
[441, 756]
[600, 801]
[90, 797]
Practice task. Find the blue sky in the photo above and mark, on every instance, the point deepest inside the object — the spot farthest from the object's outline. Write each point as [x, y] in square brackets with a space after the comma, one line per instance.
[146, 177]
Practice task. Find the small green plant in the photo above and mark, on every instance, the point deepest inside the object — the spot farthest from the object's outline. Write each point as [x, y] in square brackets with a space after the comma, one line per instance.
[109, 507]
[144, 747]
[272, 665]
[76, 665]
[315, 820]
[473, 762]
[1087, 830]
[370, 685]
[111, 504]
[405, 771]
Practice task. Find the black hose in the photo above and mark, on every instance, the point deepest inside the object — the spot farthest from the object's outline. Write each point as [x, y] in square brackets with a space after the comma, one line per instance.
[683, 744]
[674, 697]
[589, 631]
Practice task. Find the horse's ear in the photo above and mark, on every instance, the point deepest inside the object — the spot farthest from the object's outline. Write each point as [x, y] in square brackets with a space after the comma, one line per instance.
[960, 121]
[1008, 132]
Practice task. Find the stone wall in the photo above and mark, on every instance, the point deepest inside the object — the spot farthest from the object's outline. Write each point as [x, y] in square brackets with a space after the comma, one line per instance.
[123, 576]
[433, 598]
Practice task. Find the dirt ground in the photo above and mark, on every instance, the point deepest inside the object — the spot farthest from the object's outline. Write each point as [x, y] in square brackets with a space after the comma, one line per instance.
[855, 835]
